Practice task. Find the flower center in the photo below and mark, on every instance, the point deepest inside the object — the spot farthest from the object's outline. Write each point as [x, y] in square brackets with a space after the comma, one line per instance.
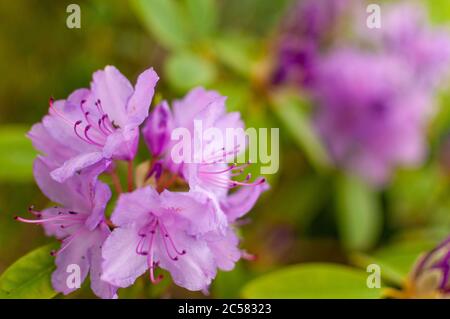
[223, 178]
[145, 245]
[93, 129]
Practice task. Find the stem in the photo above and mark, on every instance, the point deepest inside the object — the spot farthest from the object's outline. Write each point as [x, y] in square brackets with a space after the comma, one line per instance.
[110, 223]
[172, 179]
[116, 182]
[150, 166]
[167, 181]
[393, 294]
[130, 176]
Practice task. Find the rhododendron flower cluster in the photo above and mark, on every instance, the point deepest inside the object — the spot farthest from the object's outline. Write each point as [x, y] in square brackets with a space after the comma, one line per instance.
[374, 90]
[181, 218]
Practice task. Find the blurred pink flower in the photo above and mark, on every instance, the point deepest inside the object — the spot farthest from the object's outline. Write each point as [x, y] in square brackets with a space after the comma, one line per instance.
[371, 113]
[305, 31]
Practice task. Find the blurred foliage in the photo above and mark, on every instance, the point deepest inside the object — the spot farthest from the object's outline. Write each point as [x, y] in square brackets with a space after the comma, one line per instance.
[395, 260]
[16, 154]
[313, 281]
[313, 233]
[359, 214]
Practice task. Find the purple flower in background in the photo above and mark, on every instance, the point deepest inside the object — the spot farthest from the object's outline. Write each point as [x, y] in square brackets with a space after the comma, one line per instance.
[407, 33]
[180, 232]
[79, 223]
[371, 113]
[97, 125]
[304, 34]
[374, 92]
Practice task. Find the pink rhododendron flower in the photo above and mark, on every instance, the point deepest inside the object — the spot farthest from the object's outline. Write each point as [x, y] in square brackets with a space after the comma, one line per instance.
[211, 174]
[100, 123]
[371, 124]
[305, 31]
[407, 32]
[180, 232]
[79, 224]
[374, 88]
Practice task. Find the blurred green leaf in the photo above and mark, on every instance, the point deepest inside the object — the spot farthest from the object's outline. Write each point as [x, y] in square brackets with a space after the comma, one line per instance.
[203, 16]
[439, 10]
[229, 283]
[359, 215]
[16, 154]
[29, 277]
[298, 199]
[315, 280]
[260, 16]
[440, 125]
[296, 121]
[165, 20]
[396, 260]
[236, 52]
[414, 194]
[237, 93]
[186, 70]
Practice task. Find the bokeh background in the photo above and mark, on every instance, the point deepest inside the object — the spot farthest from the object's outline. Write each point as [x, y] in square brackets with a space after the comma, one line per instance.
[314, 212]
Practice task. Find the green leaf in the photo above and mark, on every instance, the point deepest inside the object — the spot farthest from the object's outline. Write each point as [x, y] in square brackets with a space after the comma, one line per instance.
[359, 215]
[396, 260]
[186, 70]
[29, 277]
[315, 280]
[289, 110]
[16, 154]
[165, 20]
[203, 16]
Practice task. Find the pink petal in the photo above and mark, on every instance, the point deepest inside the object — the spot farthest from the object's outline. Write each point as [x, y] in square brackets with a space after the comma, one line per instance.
[195, 269]
[225, 249]
[198, 104]
[113, 90]
[102, 194]
[75, 255]
[76, 164]
[101, 288]
[134, 208]
[139, 103]
[197, 211]
[54, 228]
[46, 144]
[122, 144]
[121, 264]
[66, 194]
[242, 201]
